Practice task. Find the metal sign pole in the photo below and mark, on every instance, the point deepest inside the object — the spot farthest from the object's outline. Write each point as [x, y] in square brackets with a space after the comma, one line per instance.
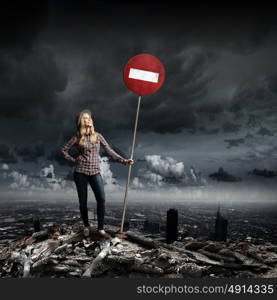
[130, 167]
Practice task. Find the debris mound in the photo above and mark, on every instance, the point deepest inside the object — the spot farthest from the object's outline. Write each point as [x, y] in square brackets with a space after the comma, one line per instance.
[64, 252]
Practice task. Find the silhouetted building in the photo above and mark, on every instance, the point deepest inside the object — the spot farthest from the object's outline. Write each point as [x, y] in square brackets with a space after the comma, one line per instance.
[172, 226]
[36, 223]
[221, 225]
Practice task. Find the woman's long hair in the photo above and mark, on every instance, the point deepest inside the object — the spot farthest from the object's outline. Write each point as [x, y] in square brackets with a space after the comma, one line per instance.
[81, 129]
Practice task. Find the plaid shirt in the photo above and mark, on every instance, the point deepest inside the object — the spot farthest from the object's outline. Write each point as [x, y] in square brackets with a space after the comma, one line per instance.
[88, 162]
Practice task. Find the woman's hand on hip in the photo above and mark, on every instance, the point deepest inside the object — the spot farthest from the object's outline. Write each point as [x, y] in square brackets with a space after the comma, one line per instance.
[78, 158]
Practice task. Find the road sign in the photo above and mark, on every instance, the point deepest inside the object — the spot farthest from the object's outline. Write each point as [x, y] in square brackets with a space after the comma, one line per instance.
[144, 74]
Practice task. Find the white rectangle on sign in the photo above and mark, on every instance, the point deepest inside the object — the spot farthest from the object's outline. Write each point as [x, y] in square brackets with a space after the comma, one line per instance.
[143, 75]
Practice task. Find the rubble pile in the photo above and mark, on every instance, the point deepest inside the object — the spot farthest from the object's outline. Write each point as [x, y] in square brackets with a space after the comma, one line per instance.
[63, 251]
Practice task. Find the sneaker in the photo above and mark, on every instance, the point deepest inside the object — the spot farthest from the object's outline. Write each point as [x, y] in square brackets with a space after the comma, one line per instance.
[122, 235]
[104, 234]
[86, 231]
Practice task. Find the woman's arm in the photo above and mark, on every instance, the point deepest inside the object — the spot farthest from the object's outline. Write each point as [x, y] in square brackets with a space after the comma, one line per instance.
[64, 149]
[109, 150]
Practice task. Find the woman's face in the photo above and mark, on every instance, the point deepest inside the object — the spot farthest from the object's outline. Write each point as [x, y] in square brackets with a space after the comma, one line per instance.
[87, 120]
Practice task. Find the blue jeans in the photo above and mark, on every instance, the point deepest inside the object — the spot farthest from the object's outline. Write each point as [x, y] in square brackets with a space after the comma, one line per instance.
[97, 186]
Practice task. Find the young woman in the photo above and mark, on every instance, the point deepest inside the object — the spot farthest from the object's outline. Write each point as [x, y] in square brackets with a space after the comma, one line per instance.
[87, 167]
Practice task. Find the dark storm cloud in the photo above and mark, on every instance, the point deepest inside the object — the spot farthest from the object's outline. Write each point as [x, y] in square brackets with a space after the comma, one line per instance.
[209, 131]
[7, 155]
[253, 121]
[182, 37]
[28, 85]
[272, 83]
[256, 33]
[255, 156]
[106, 36]
[249, 97]
[211, 108]
[21, 23]
[233, 142]
[249, 135]
[30, 153]
[250, 157]
[264, 131]
[230, 127]
[172, 107]
[29, 76]
[240, 29]
[212, 131]
[258, 98]
[209, 112]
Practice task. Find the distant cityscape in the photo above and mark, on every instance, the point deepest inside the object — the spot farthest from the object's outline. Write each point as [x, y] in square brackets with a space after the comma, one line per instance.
[256, 224]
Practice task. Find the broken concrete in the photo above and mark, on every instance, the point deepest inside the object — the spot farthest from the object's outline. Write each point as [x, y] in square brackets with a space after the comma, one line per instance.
[65, 252]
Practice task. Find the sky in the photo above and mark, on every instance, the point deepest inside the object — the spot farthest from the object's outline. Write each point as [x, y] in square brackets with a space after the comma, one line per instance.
[216, 108]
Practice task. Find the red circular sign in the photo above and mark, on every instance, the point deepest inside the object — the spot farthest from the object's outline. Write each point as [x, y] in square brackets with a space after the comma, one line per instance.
[144, 74]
